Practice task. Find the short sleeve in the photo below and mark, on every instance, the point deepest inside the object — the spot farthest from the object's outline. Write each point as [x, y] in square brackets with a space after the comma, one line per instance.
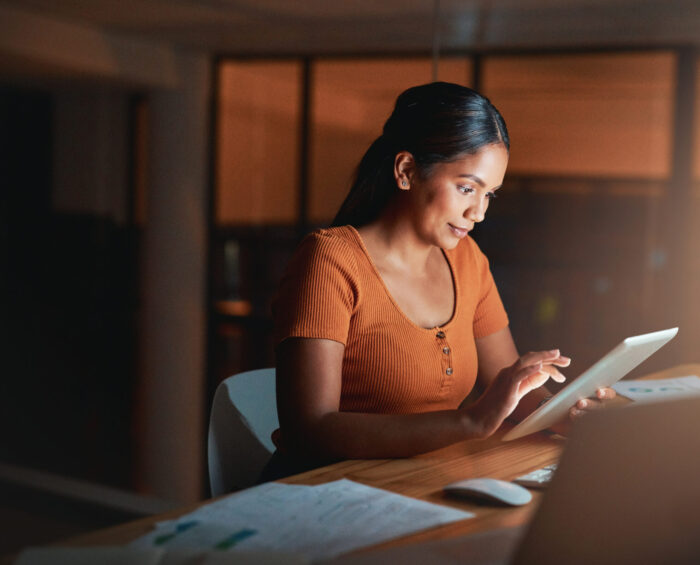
[318, 292]
[490, 315]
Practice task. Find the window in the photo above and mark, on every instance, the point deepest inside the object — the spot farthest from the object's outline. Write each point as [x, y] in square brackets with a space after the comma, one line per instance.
[591, 115]
[257, 165]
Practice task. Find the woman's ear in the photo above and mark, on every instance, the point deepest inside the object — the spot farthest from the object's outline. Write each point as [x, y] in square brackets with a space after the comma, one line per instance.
[404, 169]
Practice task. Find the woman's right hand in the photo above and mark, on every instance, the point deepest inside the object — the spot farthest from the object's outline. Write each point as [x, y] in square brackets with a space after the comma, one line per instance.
[502, 396]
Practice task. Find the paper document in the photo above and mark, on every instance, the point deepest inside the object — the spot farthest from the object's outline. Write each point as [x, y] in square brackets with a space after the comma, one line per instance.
[661, 389]
[318, 522]
[88, 556]
[116, 555]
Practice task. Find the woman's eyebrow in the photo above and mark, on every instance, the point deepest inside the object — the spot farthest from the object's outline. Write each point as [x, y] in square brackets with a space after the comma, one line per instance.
[480, 182]
[474, 178]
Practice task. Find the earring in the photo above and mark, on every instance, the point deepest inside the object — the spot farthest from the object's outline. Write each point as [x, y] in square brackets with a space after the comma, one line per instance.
[404, 183]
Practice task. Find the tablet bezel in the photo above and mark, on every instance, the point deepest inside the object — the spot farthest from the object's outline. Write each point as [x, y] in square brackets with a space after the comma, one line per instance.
[604, 373]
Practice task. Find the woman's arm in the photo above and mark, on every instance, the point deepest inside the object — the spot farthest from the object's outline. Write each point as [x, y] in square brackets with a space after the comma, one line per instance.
[308, 401]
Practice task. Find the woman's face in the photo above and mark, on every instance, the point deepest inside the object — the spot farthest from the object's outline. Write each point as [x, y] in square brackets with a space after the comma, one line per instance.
[447, 203]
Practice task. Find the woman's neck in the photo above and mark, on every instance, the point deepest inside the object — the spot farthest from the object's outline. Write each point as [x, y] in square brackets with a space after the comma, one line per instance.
[393, 243]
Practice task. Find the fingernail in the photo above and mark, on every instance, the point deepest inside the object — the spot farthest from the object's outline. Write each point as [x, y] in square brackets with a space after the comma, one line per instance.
[582, 403]
[554, 351]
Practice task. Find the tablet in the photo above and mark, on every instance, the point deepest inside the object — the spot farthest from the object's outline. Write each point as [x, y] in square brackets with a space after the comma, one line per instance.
[606, 372]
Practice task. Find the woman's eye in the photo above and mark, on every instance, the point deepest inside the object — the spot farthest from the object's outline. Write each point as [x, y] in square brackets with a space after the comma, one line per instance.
[465, 189]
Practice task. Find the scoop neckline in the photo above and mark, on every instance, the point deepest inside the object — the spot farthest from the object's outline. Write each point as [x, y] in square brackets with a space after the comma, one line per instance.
[455, 286]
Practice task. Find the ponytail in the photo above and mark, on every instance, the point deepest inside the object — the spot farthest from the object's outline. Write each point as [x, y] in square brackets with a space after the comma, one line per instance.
[437, 122]
[368, 195]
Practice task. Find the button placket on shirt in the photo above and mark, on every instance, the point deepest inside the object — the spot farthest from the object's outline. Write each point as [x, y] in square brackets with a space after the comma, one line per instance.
[446, 358]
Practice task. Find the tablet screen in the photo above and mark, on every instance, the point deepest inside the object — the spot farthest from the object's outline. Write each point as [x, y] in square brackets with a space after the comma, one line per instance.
[604, 373]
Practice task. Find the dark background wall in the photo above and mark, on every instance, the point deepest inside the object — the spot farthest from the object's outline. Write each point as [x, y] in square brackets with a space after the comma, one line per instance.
[69, 300]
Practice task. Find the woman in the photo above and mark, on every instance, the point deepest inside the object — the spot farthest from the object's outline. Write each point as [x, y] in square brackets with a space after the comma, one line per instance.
[386, 321]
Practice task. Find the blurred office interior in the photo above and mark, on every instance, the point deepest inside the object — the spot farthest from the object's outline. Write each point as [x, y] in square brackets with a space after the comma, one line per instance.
[161, 161]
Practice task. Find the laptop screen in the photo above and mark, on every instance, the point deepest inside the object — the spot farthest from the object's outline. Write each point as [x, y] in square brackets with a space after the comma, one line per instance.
[627, 490]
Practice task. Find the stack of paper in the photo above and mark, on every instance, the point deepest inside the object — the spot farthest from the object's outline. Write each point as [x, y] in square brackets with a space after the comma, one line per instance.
[318, 522]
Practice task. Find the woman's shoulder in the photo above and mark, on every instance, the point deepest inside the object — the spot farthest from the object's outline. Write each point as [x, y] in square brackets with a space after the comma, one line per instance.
[335, 234]
[336, 247]
[341, 240]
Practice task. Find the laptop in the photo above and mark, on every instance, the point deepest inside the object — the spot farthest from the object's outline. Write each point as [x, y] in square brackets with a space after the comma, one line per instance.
[626, 490]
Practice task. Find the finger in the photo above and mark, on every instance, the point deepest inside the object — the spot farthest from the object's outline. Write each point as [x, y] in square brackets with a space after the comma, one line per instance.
[588, 404]
[535, 380]
[553, 373]
[606, 393]
[538, 357]
[576, 413]
[562, 361]
[530, 378]
[529, 372]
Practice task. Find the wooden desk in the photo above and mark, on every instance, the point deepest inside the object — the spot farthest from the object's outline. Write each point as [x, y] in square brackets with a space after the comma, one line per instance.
[421, 477]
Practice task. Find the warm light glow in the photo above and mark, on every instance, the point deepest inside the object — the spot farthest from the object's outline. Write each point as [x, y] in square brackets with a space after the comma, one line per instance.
[257, 173]
[608, 115]
[234, 307]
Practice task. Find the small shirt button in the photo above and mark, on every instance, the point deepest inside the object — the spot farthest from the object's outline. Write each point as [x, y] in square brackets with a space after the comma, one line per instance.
[448, 371]
[440, 334]
[446, 350]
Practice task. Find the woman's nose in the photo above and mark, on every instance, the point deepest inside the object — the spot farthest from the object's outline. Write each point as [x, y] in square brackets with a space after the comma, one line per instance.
[477, 210]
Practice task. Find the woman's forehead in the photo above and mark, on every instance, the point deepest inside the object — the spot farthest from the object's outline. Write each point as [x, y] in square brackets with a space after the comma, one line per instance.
[489, 160]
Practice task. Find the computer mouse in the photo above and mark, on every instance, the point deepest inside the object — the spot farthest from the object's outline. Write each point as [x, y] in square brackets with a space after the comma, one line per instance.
[490, 490]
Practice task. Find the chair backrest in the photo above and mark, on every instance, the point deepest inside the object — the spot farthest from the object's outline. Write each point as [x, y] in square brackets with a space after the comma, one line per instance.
[243, 417]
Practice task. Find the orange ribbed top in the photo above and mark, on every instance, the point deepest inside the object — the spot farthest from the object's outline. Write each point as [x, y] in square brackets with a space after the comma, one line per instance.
[332, 290]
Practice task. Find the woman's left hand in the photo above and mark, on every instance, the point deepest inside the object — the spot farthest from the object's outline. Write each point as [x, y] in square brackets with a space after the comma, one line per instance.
[582, 407]
[590, 404]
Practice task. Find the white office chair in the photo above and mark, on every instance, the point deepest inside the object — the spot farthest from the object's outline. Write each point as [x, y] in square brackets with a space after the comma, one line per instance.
[243, 416]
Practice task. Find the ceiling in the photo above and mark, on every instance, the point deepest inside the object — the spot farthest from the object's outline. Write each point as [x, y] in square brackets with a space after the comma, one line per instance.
[327, 26]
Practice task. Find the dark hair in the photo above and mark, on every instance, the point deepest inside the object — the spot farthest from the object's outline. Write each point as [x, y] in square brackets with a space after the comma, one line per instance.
[436, 123]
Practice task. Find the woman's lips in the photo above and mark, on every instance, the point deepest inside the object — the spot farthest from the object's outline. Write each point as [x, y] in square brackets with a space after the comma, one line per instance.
[459, 232]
